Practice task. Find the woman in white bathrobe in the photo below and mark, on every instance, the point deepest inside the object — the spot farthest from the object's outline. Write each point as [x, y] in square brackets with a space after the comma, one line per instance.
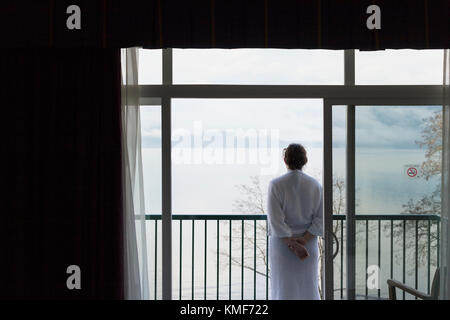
[295, 220]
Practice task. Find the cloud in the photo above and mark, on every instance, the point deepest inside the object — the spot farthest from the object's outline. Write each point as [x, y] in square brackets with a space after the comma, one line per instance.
[258, 66]
[396, 127]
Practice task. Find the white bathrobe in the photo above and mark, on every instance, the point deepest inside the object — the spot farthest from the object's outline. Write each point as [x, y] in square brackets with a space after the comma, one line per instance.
[294, 207]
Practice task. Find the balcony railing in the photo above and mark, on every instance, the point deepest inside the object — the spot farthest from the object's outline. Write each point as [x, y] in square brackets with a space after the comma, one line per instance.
[226, 256]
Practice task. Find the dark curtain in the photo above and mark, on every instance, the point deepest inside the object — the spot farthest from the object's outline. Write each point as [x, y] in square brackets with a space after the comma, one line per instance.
[301, 24]
[61, 173]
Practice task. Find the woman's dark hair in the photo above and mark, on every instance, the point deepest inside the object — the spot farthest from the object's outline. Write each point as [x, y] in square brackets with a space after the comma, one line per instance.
[295, 156]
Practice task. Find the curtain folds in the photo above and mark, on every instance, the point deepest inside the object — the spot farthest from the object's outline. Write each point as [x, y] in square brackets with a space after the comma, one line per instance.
[445, 215]
[135, 264]
[301, 24]
[61, 180]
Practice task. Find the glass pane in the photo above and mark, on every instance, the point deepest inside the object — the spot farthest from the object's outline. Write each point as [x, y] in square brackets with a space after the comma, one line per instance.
[391, 67]
[258, 66]
[392, 166]
[398, 180]
[211, 143]
[151, 157]
[224, 153]
[150, 66]
[339, 188]
[151, 163]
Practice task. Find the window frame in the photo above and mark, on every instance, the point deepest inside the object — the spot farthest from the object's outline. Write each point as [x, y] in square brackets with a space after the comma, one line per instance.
[346, 94]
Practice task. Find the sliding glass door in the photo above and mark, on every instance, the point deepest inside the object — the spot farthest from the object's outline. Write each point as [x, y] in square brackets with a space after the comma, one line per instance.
[224, 153]
[382, 166]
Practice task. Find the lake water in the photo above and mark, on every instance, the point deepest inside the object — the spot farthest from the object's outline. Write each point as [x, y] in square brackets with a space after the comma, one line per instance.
[382, 183]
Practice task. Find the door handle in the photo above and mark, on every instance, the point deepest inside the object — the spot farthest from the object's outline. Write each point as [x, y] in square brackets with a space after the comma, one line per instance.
[337, 244]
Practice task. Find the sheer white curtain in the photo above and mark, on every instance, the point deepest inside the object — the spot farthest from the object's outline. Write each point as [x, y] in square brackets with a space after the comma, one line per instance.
[135, 247]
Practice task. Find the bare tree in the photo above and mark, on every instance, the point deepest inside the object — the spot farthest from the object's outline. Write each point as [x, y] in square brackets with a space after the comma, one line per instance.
[243, 236]
[427, 234]
[432, 141]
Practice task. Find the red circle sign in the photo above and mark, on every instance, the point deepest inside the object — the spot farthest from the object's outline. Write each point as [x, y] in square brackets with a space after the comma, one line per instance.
[412, 172]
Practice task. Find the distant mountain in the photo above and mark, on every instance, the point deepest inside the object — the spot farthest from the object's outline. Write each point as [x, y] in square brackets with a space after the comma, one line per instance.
[155, 142]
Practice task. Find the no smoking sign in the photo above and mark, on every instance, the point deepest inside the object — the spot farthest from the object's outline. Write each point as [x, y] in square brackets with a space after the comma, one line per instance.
[411, 170]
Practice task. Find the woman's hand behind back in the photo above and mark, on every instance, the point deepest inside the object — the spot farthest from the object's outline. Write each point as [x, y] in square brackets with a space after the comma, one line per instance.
[297, 245]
